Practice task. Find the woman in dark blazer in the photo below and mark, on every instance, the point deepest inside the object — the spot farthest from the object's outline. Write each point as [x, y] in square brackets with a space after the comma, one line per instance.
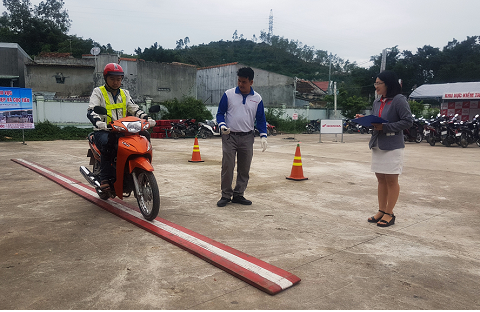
[387, 144]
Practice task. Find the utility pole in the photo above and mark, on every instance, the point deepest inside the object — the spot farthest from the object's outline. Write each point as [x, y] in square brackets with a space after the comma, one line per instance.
[329, 91]
[335, 98]
[294, 89]
[270, 24]
[383, 65]
[384, 60]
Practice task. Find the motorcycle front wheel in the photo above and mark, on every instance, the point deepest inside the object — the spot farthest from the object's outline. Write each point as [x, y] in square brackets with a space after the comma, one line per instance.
[148, 198]
[203, 133]
[431, 140]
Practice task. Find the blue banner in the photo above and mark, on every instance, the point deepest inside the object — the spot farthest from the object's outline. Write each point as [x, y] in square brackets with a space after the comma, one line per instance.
[16, 108]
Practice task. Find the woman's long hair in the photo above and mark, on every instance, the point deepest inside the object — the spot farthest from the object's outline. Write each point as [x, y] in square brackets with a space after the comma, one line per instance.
[391, 82]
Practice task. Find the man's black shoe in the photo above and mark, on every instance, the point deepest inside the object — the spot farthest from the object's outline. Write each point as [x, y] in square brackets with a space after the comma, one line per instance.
[223, 202]
[241, 200]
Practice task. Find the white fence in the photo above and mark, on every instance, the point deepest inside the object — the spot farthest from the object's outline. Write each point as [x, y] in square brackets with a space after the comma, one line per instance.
[64, 113]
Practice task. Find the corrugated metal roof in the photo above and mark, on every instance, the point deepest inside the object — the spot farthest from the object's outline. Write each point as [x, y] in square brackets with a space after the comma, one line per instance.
[221, 65]
[322, 85]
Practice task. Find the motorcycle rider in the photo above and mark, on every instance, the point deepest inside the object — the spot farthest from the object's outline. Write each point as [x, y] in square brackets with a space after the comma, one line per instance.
[119, 104]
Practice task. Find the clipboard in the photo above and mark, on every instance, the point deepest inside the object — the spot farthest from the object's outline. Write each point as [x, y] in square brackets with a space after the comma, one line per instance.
[368, 120]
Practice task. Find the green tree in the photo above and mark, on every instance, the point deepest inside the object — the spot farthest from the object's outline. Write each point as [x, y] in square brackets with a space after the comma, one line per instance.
[41, 28]
[416, 108]
[187, 108]
[349, 105]
[77, 46]
[353, 105]
[157, 54]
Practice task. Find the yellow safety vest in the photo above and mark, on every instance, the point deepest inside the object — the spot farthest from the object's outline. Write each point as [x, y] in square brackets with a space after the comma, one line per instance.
[109, 106]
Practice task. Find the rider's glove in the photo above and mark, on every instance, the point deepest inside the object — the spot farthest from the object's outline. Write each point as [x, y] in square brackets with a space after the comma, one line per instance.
[152, 122]
[264, 143]
[225, 130]
[101, 125]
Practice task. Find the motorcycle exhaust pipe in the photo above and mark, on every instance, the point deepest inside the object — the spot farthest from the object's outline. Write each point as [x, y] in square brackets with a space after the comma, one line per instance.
[88, 175]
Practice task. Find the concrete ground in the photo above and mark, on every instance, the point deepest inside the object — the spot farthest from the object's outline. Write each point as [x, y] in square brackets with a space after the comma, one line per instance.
[59, 251]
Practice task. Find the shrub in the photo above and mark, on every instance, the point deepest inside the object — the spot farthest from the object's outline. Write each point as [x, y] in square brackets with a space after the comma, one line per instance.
[278, 118]
[187, 108]
[45, 131]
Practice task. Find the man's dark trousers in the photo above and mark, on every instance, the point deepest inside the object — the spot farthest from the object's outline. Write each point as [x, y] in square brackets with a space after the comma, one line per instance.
[241, 146]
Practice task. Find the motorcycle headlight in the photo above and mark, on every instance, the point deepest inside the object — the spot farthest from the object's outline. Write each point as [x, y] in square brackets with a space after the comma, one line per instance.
[133, 126]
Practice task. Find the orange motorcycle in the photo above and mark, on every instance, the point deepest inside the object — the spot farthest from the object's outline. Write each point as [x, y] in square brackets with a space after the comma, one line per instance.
[134, 171]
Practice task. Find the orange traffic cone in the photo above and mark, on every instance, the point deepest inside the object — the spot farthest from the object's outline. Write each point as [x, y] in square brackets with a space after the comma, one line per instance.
[196, 152]
[297, 171]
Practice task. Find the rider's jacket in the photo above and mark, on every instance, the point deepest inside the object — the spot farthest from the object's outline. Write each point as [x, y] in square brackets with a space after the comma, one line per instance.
[117, 106]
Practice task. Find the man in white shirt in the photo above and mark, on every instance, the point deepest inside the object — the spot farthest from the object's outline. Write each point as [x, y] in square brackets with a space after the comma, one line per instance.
[237, 112]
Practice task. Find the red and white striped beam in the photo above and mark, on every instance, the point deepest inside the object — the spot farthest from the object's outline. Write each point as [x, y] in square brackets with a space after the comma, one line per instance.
[258, 273]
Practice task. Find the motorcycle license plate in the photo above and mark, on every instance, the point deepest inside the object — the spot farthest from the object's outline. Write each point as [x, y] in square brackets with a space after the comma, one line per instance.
[444, 132]
[458, 134]
[427, 131]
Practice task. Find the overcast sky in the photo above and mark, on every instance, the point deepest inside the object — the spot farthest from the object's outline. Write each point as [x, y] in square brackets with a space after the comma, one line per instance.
[354, 30]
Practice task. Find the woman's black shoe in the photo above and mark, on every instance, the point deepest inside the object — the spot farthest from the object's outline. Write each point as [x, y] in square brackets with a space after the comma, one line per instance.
[383, 223]
[373, 220]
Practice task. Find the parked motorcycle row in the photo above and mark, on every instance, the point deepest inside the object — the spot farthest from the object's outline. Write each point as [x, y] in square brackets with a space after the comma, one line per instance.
[208, 128]
[449, 131]
[441, 129]
[348, 126]
[183, 128]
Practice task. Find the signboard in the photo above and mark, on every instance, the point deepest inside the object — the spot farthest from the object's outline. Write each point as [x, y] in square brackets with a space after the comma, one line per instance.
[466, 110]
[295, 116]
[16, 108]
[331, 126]
[461, 95]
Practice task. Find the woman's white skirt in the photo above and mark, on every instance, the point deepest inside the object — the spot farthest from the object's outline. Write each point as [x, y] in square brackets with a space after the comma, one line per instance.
[387, 162]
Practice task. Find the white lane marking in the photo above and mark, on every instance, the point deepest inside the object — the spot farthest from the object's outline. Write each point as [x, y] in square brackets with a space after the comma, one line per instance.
[275, 278]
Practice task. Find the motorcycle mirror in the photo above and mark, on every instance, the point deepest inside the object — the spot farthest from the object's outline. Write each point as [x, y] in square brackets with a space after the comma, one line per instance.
[100, 110]
[154, 109]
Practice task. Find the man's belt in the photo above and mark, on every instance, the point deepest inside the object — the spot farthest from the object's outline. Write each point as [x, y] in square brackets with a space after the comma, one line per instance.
[241, 133]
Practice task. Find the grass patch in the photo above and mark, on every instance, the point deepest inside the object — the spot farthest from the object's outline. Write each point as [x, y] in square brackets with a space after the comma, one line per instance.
[45, 131]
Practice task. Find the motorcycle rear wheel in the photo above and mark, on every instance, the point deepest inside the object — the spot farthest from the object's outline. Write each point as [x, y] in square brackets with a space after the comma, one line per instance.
[175, 134]
[419, 137]
[149, 198]
[431, 140]
[463, 140]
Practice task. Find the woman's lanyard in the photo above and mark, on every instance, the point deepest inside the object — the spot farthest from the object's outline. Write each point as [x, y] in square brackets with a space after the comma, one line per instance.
[384, 101]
